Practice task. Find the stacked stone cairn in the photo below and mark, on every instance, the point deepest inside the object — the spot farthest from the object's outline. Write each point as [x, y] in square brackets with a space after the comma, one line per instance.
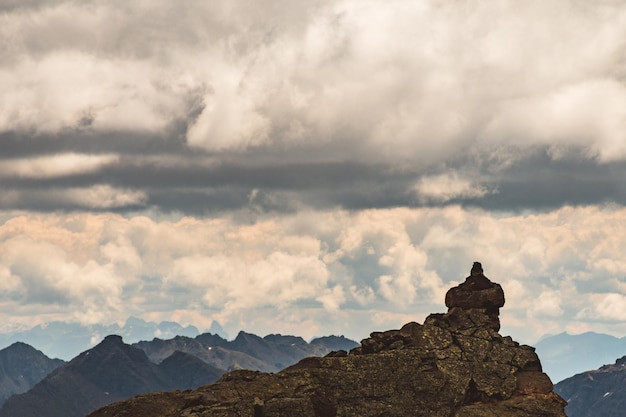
[497, 376]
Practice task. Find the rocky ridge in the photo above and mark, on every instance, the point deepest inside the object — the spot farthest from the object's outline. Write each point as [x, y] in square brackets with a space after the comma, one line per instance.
[454, 365]
[271, 353]
[109, 372]
[596, 393]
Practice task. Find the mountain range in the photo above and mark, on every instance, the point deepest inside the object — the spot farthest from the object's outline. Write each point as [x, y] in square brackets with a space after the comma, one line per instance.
[562, 355]
[66, 340]
[189, 360]
[109, 372]
[113, 370]
[271, 353]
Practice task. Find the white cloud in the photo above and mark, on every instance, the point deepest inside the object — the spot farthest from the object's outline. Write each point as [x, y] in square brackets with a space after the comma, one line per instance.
[43, 274]
[334, 269]
[407, 82]
[55, 165]
[97, 197]
[590, 115]
[72, 89]
[100, 197]
[333, 298]
[547, 303]
[9, 283]
[278, 279]
[449, 186]
[609, 307]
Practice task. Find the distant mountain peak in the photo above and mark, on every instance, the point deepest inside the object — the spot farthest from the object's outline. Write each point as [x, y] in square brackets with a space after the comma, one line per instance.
[68, 339]
[113, 338]
[21, 346]
[22, 367]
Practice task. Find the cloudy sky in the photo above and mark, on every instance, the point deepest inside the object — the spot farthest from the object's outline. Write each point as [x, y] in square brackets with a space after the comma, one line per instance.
[312, 167]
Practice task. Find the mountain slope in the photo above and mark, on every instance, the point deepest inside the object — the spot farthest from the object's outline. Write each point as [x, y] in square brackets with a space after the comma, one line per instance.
[212, 353]
[564, 355]
[186, 371]
[21, 367]
[109, 372]
[598, 393]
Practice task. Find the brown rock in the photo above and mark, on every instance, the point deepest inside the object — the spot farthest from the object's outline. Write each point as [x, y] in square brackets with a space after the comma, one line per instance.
[533, 382]
[478, 292]
[455, 364]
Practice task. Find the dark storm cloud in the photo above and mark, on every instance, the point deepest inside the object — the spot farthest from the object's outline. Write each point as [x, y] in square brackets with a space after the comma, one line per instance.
[542, 183]
[275, 107]
[172, 179]
[19, 145]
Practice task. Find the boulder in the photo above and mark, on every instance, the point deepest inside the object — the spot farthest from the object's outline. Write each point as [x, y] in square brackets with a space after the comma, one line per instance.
[478, 292]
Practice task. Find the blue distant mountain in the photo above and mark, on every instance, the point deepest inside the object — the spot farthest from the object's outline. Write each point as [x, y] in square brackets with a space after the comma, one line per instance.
[66, 340]
[564, 355]
[113, 370]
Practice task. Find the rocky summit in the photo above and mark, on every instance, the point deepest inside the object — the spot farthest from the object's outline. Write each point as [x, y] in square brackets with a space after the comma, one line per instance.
[454, 365]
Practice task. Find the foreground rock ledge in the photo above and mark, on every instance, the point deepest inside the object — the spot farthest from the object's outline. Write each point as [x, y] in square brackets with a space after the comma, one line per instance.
[454, 365]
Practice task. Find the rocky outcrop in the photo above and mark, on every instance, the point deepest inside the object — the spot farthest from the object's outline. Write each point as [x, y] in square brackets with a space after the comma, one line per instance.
[478, 292]
[453, 365]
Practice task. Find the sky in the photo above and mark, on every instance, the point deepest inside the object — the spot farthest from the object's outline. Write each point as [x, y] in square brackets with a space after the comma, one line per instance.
[312, 167]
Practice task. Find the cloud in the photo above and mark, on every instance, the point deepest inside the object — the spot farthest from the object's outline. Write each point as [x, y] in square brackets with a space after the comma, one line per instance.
[97, 197]
[548, 303]
[41, 274]
[415, 81]
[606, 307]
[55, 166]
[445, 187]
[341, 158]
[230, 283]
[334, 269]
[65, 90]
[570, 117]
[334, 103]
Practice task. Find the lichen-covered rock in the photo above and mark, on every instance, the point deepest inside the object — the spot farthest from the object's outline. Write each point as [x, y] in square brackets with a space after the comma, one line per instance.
[455, 364]
[465, 297]
[478, 292]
